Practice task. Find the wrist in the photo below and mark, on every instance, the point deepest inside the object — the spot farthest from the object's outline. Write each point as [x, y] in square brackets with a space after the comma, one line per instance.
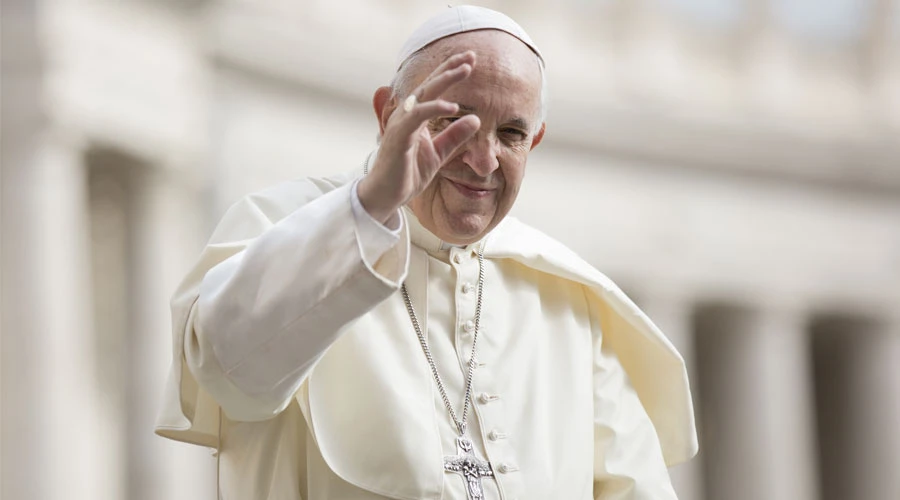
[376, 206]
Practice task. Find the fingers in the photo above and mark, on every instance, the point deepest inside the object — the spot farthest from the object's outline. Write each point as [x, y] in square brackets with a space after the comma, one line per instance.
[451, 138]
[439, 82]
[418, 106]
[420, 113]
[454, 64]
[424, 103]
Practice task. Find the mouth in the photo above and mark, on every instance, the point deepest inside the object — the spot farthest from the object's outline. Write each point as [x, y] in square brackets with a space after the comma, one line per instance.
[471, 191]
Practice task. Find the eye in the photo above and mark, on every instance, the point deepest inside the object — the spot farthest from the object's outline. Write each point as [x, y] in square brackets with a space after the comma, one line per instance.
[438, 124]
[513, 134]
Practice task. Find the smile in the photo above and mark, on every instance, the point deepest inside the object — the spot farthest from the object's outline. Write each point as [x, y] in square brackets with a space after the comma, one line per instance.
[471, 191]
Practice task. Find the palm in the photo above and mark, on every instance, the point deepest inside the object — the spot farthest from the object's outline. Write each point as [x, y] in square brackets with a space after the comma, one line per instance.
[425, 161]
[410, 156]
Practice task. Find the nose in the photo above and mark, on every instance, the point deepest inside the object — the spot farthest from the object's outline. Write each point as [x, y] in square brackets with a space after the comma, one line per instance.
[481, 154]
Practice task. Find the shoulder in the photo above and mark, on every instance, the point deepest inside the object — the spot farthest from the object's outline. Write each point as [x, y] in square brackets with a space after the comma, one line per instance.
[255, 213]
[278, 201]
[528, 246]
[514, 238]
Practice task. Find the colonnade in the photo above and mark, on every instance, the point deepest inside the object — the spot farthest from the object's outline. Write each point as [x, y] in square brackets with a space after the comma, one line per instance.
[71, 429]
[791, 404]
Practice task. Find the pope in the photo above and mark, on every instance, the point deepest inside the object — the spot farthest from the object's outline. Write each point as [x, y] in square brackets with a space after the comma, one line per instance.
[392, 333]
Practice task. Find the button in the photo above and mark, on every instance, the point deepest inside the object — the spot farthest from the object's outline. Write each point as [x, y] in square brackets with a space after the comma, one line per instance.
[457, 258]
[485, 398]
[506, 468]
[469, 326]
[496, 435]
[468, 288]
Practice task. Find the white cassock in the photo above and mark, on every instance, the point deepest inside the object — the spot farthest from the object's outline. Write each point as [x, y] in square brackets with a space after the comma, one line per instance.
[295, 357]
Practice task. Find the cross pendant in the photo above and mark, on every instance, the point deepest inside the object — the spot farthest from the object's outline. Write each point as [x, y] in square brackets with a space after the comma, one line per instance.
[470, 467]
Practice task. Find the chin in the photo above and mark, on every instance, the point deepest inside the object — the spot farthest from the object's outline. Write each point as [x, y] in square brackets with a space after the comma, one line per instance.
[463, 229]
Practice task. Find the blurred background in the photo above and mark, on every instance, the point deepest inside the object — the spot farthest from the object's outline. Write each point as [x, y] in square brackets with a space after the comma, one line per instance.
[733, 164]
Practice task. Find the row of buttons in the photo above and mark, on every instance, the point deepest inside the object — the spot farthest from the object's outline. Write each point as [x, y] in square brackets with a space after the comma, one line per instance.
[483, 398]
[495, 435]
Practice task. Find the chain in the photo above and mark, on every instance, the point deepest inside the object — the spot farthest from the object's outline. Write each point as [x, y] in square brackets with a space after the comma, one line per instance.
[460, 424]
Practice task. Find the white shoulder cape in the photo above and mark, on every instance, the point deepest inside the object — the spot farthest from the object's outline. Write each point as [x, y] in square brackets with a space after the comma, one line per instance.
[654, 366]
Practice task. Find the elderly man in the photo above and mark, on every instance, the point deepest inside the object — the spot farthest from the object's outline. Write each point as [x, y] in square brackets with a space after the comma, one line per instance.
[394, 334]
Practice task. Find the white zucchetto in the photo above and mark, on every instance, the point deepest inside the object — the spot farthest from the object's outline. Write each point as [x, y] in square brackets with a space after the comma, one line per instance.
[461, 19]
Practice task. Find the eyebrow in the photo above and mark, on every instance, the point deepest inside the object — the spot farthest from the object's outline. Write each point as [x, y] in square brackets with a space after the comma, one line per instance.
[522, 123]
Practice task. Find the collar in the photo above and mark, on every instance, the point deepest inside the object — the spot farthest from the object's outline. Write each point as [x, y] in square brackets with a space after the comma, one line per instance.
[426, 240]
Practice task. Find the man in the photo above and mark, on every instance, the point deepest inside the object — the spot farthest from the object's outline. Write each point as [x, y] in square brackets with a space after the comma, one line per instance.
[395, 335]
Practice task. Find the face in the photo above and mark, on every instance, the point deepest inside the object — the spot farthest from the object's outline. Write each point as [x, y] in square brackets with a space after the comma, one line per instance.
[476, 188]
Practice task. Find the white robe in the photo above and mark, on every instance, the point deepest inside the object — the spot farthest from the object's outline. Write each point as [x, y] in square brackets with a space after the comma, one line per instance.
[299, 362]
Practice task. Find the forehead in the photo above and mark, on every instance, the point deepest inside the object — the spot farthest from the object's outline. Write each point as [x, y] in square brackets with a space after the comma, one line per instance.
[489, 45]
[501, 59]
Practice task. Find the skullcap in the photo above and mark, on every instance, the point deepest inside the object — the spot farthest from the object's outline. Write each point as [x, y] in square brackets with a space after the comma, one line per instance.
[461, 19]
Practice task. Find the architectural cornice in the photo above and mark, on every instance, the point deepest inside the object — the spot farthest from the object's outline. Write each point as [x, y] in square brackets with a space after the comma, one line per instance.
[314, 56]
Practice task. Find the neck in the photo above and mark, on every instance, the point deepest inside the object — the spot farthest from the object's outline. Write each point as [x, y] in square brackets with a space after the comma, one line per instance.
[423, 237]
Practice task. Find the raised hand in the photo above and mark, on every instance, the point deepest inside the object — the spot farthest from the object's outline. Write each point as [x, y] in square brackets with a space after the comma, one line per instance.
[409, 157]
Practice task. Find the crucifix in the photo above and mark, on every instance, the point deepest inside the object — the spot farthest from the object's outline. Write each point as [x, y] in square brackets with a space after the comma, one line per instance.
[470, 467]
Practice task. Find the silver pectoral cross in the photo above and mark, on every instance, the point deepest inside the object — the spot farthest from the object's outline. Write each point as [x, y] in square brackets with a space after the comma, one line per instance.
[470, 467]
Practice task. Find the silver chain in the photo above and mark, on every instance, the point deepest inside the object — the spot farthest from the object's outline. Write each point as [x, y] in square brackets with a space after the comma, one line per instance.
[460, 424]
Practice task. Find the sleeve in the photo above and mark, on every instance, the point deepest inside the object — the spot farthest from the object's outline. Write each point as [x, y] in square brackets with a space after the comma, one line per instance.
[266, 314]
[374, 237]
[628, 457]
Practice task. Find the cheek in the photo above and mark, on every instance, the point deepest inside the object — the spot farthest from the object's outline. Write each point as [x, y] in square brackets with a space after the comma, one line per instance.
[513, 176]
[423, 203]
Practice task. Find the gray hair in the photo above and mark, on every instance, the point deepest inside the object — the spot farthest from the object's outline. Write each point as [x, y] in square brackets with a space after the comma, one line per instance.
[404, 79]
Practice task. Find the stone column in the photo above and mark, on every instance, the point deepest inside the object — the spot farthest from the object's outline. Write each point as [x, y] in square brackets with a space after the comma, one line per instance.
[145, 235]
[59, 440]
[24, 447]
[674, 316]
[49, 426]
[168, 235]
[858, 380]
[755, 378]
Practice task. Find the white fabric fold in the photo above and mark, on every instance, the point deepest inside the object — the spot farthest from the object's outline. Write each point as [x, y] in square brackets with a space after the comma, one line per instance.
[255, 342]
[264, 316]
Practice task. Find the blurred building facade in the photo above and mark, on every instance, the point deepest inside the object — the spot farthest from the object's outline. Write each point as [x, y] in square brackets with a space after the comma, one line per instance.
[734, 164]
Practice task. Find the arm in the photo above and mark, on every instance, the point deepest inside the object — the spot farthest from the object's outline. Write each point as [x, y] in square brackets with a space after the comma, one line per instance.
[266, 314]
[628, 459]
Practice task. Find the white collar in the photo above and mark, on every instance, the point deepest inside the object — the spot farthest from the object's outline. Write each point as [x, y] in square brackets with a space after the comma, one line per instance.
[426, 240]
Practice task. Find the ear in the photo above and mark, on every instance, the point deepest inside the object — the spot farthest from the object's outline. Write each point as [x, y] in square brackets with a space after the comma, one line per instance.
[384, 103]
[539, 136]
